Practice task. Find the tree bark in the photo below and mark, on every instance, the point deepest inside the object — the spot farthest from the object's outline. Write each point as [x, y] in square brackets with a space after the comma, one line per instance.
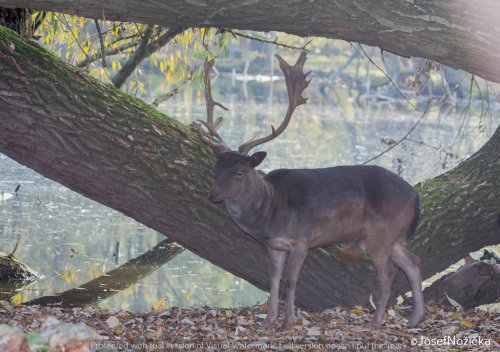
[119, 151]
[13, 270]
[460, 33]
[470, 286]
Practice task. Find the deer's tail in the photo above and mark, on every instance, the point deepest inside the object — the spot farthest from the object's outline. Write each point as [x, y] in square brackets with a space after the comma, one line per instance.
[414, 222]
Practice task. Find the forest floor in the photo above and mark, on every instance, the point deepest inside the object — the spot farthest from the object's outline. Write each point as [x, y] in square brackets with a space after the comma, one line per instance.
[210, 329]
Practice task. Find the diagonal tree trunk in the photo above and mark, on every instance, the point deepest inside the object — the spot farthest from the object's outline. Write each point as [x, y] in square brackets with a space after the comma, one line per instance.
[122, 153]
[115, 280]
[460, 33]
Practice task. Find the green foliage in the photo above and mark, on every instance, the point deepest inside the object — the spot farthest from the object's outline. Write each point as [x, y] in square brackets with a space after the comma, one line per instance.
[35, 344]
[76, 40]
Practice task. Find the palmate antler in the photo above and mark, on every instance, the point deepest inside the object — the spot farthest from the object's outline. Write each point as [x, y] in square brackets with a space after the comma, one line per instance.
[220, 146]
[296, 82]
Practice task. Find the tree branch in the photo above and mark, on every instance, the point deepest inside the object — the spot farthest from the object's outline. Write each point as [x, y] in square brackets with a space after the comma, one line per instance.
[431, 29]
[143, 51]
[267, 41]
[115, 280]
[103, 55]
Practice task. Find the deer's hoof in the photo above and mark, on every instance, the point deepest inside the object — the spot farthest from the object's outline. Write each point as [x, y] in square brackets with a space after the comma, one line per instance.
[414, 320]
[372, 326]
[267, 324]
[287, 325]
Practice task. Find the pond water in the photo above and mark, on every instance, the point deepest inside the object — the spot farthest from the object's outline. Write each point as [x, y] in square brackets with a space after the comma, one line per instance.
[71, 239]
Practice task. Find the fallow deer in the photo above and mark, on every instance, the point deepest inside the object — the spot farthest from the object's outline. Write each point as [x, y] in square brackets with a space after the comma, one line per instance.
[292, 210]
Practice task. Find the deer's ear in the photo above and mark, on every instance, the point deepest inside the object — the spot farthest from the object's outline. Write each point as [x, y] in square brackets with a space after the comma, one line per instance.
[257, 158]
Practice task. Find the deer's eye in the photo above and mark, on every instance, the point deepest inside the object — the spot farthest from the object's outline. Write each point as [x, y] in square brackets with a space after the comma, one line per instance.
[239, 173]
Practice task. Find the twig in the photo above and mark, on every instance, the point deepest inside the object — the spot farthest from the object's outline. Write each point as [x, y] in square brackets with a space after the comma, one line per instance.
[267, 41]
[108, 52]
[397, 333]
[465, 111]
[482, 101]
[103, 55]
[423, 143]
[387, 76]
[68, 27]
[173, 91]
[404, 137]
[14, 250]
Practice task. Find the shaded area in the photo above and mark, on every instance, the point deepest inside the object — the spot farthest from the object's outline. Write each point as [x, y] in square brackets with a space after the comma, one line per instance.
[11, 269]
[116, 280]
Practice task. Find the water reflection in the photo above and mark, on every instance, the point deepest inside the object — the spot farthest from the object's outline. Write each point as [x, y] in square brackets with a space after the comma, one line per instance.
[71, 239]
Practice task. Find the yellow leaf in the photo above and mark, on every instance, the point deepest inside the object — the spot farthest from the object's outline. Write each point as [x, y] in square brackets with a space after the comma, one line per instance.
[158, 304]
[198, 93]
[64, 277]
[18, 299]
[113, 65]
[467, 323]
[357, 311]
[162, 66]
[188, 296]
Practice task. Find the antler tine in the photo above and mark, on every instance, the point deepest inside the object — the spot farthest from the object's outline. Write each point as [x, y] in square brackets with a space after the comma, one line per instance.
[220, 146]
[296, 83]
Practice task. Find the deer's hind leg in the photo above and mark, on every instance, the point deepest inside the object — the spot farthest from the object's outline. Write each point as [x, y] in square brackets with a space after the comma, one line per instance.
[380, 250]
[386, 272]
[410, 264]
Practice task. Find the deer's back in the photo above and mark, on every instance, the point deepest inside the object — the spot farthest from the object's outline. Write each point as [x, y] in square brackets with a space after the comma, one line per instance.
[313, 189]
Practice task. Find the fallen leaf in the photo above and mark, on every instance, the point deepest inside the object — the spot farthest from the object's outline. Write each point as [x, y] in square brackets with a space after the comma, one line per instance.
[112, 322]
[467, 324]
[357, 311]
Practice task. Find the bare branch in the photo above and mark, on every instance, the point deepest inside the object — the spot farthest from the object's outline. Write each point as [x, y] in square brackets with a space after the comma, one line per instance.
[267, 41]
[107, 52]
[101, 41]
[392, 146]
[386, 75]
[144, 50]
[68, 27]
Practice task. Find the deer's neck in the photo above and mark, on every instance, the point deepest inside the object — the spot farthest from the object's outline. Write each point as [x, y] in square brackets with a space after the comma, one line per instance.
[251, 209]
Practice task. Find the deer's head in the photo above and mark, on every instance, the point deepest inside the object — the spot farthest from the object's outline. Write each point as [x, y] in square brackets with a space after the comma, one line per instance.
[235, 171]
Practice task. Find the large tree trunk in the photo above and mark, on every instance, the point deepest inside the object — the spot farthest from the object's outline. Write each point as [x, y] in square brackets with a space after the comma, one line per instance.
[122, 153]
[461, 34]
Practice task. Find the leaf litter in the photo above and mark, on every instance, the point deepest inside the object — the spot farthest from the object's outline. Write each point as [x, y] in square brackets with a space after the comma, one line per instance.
[55, 329]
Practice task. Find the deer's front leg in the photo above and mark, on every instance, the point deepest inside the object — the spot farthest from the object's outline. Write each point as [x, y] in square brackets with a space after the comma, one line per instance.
[295, 261]
[276, 263]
